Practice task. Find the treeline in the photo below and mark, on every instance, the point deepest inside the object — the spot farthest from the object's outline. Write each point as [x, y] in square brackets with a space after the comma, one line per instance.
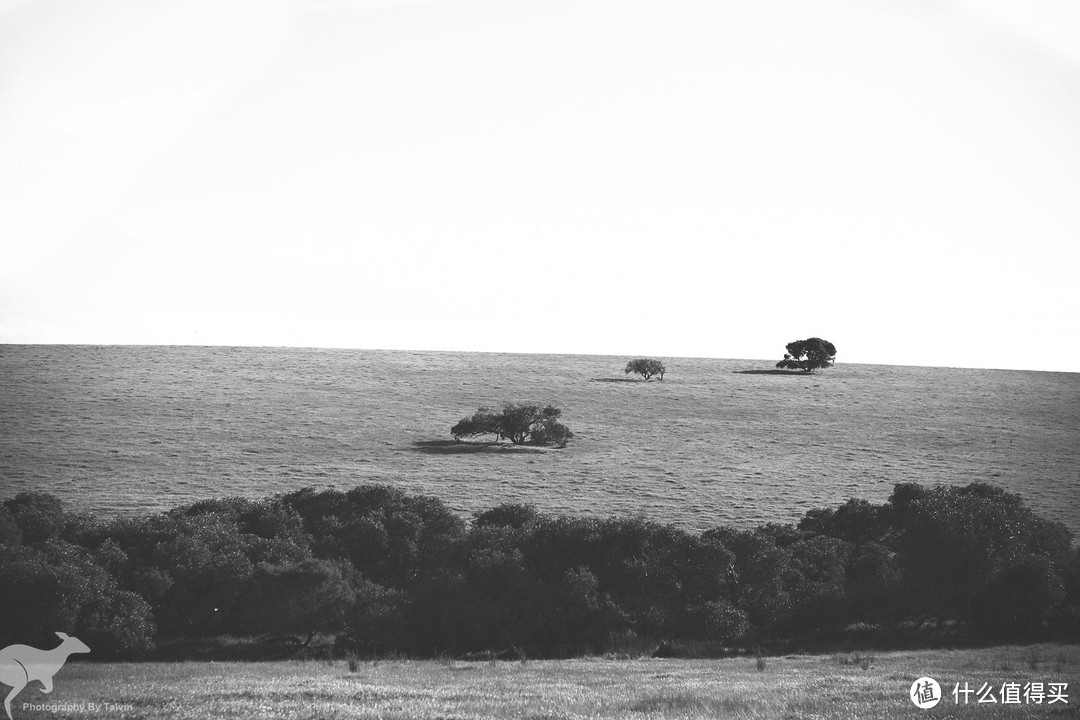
[381, 571]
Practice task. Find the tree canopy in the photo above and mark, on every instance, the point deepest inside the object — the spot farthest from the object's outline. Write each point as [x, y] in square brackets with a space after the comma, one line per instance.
[646, 368]
[376, 570]
[520, 424]
[808, 355]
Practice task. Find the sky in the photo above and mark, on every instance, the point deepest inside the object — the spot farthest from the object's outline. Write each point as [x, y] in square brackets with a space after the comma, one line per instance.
[680, 178]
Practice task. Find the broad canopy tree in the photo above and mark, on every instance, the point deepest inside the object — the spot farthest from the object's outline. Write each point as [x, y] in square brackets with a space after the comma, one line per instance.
[646, 368]
[808, 355]
[520, 424]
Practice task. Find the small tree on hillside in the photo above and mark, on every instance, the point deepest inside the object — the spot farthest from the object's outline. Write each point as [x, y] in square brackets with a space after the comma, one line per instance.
[520, 424]
[646, 368]
[808, 355]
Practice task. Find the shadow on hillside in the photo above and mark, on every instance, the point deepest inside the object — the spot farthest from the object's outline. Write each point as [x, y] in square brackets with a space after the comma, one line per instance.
[461, 447]
[633, 380]
[792, 373]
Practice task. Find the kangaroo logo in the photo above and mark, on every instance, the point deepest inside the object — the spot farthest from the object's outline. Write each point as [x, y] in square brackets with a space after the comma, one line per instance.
[21, 664]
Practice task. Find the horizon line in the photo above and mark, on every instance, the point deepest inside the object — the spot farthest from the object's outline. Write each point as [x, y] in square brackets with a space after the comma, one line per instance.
[256, 346]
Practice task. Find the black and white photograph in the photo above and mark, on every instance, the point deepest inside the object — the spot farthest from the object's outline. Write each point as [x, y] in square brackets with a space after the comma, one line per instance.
[539, 359]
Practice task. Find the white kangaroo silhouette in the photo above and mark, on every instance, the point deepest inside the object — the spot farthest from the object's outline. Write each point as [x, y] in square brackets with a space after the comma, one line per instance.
[20, 664]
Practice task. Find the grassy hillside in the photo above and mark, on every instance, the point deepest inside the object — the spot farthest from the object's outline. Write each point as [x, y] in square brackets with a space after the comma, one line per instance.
[792, 687]
[716, 442]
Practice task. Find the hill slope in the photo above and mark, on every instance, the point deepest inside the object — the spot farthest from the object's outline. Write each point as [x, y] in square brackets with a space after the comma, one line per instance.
[124, 428]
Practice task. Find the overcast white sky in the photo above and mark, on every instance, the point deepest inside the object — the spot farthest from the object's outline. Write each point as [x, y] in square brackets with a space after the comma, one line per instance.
[670, 178]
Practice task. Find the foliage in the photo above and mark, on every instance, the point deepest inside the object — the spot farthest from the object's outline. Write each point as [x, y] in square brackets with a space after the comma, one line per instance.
[856, 521]
[58, 585]
[808, 355]
[646, 368]
[953, 542]
[302, 599]
[520, 424]
[387, 535]
[515, 515]
[10, 532]
[39, 516]
[720, 620]
[1019, 599]
[376, 621]
[385, 571]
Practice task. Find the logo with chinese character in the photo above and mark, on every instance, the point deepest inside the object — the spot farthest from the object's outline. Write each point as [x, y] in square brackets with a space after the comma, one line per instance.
[1013, 693]
[925, 693]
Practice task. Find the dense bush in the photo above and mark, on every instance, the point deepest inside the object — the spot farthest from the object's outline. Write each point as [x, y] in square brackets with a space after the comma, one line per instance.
[57, 585]
[300, 600]
[38, 516]
[384, 571]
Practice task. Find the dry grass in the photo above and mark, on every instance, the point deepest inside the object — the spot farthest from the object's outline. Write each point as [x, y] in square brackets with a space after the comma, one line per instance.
[855, 658]
[647, 689]
[117, 429]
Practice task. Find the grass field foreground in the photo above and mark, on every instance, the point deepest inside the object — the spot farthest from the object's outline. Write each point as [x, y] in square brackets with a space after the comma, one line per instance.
[794, 686]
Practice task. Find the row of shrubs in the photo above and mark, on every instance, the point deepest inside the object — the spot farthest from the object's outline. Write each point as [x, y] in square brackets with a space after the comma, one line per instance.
[382, 571]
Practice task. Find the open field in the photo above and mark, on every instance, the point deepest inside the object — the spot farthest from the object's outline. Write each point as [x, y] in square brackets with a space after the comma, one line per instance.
[119, 429]
[797, 686]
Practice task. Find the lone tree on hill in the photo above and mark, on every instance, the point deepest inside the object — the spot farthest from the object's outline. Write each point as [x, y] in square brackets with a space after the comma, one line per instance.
[808, 355]
[646, 368]
[520, 424]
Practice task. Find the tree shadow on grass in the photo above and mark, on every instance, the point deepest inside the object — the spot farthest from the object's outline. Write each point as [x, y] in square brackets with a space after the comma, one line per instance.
[792, 373]
[618, 379]
[460, 447]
